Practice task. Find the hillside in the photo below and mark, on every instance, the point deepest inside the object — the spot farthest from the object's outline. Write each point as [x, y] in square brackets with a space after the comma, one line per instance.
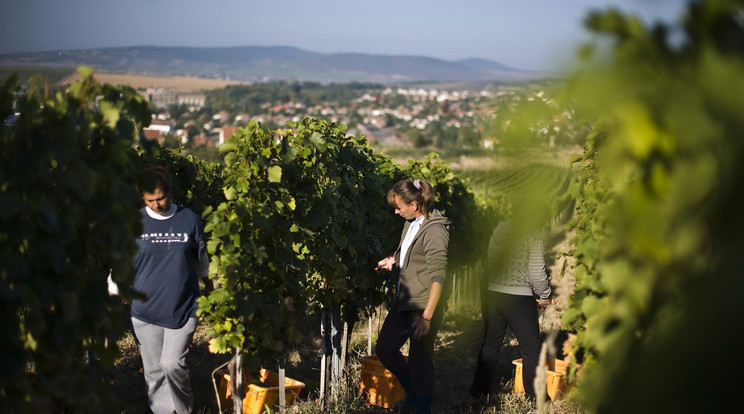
[261, 64]
[181, 83]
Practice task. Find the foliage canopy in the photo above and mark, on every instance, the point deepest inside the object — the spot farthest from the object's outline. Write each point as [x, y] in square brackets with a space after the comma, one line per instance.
[658, 235]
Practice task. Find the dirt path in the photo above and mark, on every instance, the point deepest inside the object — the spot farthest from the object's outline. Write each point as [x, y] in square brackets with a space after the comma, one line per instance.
[563, 287]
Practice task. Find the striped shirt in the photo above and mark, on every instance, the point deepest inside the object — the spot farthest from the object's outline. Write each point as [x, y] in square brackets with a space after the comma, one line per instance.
[517, 265]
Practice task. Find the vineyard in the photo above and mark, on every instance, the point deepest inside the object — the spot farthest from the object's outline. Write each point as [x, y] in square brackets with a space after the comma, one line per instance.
[296, 218]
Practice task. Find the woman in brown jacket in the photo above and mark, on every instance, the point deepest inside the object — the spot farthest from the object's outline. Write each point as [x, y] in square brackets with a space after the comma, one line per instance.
[420, 262]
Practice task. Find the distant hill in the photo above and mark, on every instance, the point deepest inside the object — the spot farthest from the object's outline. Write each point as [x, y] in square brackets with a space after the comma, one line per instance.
[263, 64]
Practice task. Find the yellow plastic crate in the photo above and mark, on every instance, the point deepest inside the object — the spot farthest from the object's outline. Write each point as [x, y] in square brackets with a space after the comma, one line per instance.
[261, 395]
[556, 378]
[379, 385]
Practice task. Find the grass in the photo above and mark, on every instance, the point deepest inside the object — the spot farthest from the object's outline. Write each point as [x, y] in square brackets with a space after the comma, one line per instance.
[463, 160]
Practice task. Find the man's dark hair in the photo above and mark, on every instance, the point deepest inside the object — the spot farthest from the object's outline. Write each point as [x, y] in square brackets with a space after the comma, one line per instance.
[155, 177]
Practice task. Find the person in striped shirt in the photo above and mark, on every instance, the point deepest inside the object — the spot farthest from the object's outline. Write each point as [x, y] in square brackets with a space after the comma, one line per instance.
[516, 280]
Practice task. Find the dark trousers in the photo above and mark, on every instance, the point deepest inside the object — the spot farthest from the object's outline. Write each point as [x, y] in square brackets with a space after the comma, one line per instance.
[396, 330]
[520, 314]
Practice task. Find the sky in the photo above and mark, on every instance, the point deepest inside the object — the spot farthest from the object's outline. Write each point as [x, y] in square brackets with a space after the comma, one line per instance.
[522, 34]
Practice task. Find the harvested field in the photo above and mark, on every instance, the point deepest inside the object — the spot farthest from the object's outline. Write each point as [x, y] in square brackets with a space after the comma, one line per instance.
[182, 83]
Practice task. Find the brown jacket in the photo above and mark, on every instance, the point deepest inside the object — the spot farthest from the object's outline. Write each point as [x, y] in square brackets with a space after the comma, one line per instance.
[426, 261]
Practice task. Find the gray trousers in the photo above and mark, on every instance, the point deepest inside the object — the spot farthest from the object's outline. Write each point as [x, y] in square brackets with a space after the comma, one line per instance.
[164, 353]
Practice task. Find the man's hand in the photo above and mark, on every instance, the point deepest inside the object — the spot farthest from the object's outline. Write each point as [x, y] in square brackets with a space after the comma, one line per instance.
[385, 264]
[208, 285]
[113, 288]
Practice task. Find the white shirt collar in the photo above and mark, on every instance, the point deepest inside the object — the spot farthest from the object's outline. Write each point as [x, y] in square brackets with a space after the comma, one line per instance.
[165, 216]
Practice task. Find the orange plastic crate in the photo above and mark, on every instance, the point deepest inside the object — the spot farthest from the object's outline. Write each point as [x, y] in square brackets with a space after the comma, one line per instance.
[379, 385]
[262, 395]
[556, 378]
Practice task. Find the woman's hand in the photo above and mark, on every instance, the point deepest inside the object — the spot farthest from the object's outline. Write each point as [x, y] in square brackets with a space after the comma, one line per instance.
[423, 321]
[545, 303]
[422, 326]
[385, 264]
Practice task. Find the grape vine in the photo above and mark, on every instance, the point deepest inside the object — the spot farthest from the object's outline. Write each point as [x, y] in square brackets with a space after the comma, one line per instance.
[658, 235]
[67, 189]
